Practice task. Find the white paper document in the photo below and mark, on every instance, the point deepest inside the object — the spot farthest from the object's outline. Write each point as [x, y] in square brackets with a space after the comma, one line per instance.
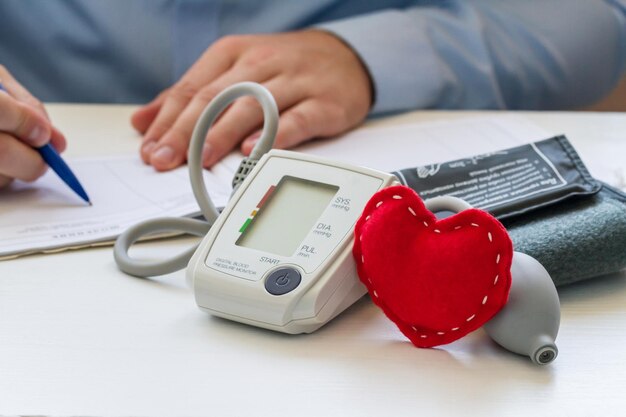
[47, 216]
[416, 144]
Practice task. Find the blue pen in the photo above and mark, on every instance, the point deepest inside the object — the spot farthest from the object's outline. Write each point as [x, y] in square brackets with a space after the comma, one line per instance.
[58, 165]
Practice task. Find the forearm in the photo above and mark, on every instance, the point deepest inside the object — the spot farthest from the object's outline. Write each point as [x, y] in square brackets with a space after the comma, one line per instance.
[490, 53]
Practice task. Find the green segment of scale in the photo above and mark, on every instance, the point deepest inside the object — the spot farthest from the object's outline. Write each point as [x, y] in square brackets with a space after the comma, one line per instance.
[245, 225]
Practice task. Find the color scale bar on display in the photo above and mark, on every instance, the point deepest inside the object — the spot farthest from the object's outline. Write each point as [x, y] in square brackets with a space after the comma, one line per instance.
[267, 195]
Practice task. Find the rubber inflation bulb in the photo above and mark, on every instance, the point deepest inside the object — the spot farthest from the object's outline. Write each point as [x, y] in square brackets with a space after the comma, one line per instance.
[529, 322]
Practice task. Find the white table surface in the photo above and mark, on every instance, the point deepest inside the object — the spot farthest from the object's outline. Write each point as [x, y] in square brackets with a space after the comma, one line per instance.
[78, 337]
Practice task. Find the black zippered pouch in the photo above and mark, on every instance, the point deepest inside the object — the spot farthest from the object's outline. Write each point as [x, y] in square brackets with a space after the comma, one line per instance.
[554, 210]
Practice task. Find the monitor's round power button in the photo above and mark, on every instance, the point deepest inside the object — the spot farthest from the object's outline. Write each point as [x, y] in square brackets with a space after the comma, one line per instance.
[282, 281]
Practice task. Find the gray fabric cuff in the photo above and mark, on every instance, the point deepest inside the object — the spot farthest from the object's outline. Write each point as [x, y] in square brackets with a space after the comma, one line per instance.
[576, 239]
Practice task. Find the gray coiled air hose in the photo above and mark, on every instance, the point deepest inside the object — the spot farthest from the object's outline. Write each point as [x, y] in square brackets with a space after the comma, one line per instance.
[147, 268]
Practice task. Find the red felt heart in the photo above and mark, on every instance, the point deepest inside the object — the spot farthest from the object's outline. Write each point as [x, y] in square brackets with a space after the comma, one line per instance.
[437, 280]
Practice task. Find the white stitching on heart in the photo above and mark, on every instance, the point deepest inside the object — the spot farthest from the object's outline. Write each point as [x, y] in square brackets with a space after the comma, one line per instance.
[485, 298]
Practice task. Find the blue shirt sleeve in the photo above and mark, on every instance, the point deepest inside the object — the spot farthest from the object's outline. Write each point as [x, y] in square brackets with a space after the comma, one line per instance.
[492, 54]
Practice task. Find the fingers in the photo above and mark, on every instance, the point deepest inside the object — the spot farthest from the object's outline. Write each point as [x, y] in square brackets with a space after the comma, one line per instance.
[214, 62]
[307, 119]
[24, 125]
[57, 139]
[243, 118]
[170, 150]
[18, 160]
[22, 121]
[17, 91]
[236, 123]
[223, 64]
[143, 118]
[25, 117]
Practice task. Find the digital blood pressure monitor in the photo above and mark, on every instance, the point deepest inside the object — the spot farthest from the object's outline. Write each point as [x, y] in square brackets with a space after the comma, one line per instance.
[280, 254]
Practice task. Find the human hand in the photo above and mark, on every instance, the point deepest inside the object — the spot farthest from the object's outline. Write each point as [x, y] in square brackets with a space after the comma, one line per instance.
[24, 124]
[320, 86]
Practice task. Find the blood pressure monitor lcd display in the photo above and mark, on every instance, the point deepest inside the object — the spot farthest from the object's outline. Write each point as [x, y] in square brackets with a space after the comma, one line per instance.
[285, 215]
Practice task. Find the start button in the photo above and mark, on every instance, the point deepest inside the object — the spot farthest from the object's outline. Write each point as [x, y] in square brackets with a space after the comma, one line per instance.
[282, 281]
